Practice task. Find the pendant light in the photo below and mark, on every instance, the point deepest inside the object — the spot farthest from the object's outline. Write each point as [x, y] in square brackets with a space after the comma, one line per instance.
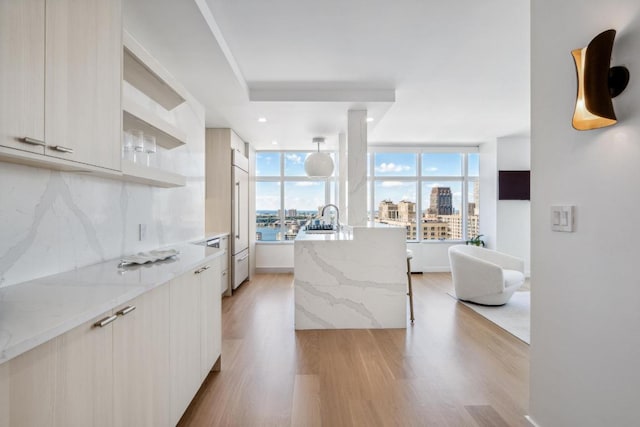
[318, 164]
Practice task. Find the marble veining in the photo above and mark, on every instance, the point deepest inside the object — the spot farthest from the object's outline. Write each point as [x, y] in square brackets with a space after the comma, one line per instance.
[36, 311]
[53, 221]
[358, 282]
[357, 171]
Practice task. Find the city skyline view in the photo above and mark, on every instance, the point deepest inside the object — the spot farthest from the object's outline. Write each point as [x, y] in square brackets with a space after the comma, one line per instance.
[406, 179]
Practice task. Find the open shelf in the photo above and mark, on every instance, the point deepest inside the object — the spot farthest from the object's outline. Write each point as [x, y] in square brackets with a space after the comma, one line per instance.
[145, 73]
[151, 176]
[135, 116]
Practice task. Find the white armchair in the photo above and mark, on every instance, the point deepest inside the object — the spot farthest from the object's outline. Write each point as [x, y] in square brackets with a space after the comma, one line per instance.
[484, 276]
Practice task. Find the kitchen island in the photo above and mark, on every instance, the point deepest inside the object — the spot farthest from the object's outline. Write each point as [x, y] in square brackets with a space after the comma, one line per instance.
[354, 279]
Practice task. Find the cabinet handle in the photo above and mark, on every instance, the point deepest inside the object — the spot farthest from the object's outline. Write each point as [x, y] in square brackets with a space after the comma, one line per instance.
[61, 148]
[224, 273]
[128, 309]
[243, 258]
[200, 270]
[237, 204]
[32, 141]
[104, 322]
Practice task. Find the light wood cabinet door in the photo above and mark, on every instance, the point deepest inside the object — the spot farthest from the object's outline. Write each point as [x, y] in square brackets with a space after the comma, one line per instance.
[66, 381]
[5, 396]
[84, 376]
[185, 337]
[22, 74]
[141, 361]
[83, 81]
[211, 324]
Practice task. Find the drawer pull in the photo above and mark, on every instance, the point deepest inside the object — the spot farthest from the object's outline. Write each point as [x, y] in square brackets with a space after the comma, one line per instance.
[128, 309]
[62, 149]
[200, 270]
[32, 141]
[104, 322]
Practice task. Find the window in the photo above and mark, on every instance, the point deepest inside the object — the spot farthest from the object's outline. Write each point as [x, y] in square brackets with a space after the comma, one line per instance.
[426, 192]
[285, 197]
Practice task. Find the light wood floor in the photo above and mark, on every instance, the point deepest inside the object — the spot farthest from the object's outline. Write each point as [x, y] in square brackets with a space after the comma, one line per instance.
[451, 368]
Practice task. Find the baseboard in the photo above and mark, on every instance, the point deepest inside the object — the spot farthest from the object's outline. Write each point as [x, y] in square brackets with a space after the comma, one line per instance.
[276, 270]
[533, 423]
[444, 269]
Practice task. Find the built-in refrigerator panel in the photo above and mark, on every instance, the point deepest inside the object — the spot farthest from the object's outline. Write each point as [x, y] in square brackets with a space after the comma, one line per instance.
[240, 219]
[240, 267]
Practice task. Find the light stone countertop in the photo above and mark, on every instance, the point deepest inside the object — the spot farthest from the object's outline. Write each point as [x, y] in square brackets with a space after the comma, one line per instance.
[346, 233]
[36, 311]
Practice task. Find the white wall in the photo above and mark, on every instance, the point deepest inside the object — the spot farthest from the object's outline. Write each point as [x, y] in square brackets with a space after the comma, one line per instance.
[513, 217]
[585, 332]
[488, 193]
[274, 257]
[52, 221]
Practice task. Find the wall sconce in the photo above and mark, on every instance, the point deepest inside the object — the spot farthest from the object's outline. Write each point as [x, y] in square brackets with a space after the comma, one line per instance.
[318, 164]
[598, 83]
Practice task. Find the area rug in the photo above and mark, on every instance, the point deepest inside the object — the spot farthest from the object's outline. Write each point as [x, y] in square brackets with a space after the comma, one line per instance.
[514, 317]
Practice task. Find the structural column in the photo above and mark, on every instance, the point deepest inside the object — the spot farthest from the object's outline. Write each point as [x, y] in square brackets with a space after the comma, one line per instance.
[357, 164]
[342, 176]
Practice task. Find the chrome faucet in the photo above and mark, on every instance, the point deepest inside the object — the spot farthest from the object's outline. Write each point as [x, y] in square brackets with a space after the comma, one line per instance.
[337, 214]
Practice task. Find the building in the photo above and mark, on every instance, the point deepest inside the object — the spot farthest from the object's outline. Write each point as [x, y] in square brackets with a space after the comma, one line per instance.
[407, 211]
[387, 210]
[436, 230]
[454, 224]
[440, 202]
[476, 197]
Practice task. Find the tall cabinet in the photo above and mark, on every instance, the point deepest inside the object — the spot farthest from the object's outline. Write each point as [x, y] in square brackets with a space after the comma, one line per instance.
[219, 188]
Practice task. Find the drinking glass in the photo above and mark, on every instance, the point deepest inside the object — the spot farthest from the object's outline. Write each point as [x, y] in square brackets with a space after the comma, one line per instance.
[127, 146]
[137, 137]
[150, 147]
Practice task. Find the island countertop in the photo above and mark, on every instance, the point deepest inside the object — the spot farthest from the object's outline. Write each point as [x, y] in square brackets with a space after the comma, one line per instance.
[346, 232]
[36, 311]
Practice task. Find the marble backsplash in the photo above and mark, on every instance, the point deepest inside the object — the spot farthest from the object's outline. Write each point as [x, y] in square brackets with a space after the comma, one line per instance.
[53, 221]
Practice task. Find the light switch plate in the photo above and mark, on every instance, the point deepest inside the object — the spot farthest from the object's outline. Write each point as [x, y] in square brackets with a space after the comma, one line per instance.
[562, 218]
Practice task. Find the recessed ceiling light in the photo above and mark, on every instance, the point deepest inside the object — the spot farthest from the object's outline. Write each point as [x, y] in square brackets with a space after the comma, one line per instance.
[262, 119]
[274, 142]
[369, 119]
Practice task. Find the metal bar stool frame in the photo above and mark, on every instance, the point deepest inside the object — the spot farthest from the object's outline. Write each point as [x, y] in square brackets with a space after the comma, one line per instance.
[410, 293]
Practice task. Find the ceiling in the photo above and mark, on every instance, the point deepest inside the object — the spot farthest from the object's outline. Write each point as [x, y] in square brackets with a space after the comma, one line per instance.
[427, 72]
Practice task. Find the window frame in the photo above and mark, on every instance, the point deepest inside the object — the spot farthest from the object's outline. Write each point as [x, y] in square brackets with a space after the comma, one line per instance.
[464, 179]
[282, 179]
